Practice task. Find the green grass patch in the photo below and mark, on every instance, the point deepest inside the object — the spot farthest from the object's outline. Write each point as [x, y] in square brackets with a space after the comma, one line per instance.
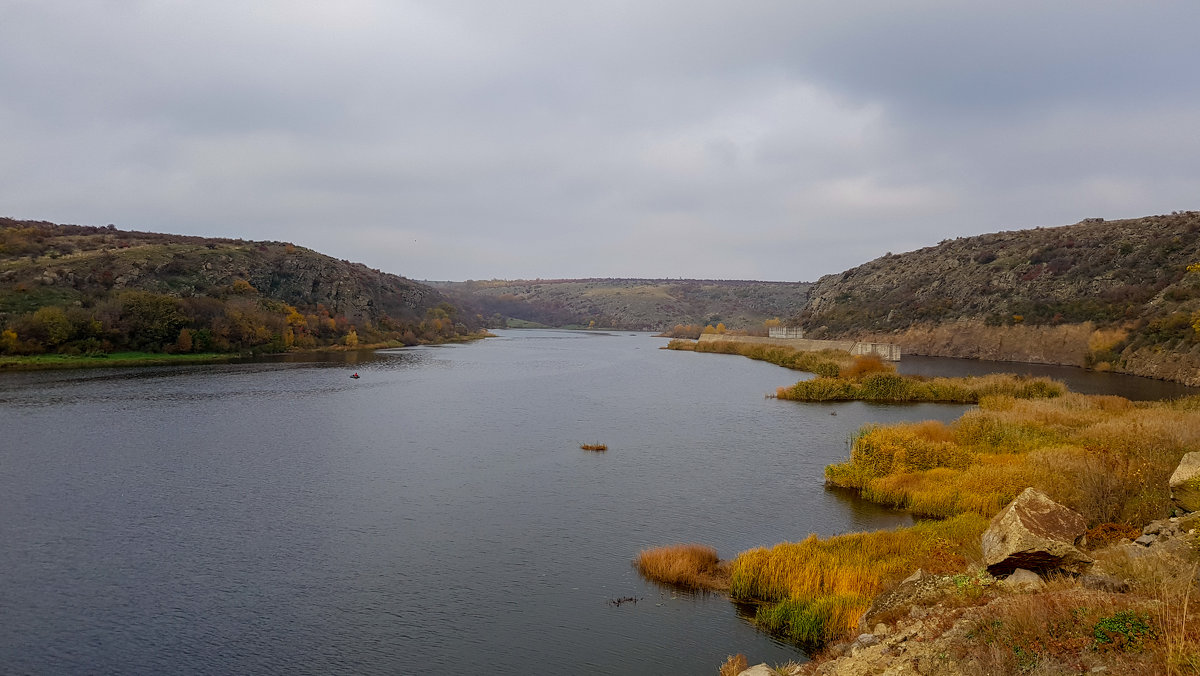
[67, 361]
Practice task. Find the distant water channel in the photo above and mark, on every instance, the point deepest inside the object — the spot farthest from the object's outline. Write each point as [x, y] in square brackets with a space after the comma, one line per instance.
[434, 516]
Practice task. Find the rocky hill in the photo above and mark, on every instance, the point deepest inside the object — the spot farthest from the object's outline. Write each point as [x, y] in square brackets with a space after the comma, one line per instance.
[1105, 294]
[43, 263]
[246, 289]
[653, 304]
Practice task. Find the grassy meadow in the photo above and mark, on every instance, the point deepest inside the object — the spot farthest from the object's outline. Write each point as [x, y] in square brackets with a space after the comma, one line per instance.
[1105, 457]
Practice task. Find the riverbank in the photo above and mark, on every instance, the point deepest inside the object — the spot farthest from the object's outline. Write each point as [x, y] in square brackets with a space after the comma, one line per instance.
[1081, 345]
[1105, 457]
[42, 362]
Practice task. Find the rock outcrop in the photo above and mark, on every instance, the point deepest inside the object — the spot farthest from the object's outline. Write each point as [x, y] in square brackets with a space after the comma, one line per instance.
[1185, 483]
[1062, 295]
[911, 591]
[1035, 533]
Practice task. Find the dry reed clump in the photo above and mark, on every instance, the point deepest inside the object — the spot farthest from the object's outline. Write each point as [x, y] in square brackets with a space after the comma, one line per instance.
[893, 387]
[865, 365]
[734, 665]
[1105, 457]
[816, 590]
[681, 344]
[691, 566]
[821, 362]
[594, 447]
[1109, 533]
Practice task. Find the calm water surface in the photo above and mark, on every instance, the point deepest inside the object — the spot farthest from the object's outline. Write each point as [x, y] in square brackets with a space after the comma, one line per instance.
[434, 516]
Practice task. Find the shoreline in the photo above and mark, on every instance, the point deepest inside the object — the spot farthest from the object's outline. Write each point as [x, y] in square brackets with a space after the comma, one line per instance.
[53, 362]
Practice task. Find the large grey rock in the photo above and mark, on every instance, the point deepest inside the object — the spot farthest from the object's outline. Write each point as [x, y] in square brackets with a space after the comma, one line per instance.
[1023, 580]
[759, 670]
[1185, 483]
[1036, 533]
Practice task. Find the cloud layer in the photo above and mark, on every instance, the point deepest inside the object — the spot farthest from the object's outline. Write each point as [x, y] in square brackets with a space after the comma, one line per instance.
[455, 140]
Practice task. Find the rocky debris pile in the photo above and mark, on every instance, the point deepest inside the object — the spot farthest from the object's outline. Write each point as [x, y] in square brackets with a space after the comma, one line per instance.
[912, 591]
[1175, 541]
[1035, 533]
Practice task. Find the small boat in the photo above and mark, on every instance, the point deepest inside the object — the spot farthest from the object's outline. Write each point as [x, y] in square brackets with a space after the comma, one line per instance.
[355, 375]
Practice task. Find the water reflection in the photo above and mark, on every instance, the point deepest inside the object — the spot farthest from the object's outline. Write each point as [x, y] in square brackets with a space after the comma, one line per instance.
[865, 514]
[1079, 380]
[436, 515]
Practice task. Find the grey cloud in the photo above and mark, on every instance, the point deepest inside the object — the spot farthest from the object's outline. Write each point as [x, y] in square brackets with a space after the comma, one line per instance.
[776, 140]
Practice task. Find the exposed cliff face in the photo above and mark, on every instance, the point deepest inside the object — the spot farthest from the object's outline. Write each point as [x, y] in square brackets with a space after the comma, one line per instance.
[43, 263]
[1105, 294]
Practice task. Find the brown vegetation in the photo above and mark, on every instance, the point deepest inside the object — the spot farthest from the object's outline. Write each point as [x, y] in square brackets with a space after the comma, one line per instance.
[594, 447]
[734, 665]
[892, 387]
[1105, 457]
[690, 566]
[823, 362]
[818, 589]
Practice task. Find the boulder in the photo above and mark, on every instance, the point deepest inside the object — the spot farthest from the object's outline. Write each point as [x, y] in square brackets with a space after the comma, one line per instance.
[1185, 483]
[1035, 533]
[759, 670]
[1023, 580]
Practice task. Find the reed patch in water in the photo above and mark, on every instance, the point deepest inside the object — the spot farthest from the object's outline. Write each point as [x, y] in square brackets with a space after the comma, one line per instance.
[894, 387]
[816, 590]
[691, 566]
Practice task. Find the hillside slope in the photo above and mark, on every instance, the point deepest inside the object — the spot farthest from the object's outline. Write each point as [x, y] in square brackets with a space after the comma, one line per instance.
[1106, 294]
[654, 304]
[239, 291]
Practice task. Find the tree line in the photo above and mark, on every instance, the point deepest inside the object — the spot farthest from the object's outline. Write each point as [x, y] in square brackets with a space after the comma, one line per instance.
[243, 320]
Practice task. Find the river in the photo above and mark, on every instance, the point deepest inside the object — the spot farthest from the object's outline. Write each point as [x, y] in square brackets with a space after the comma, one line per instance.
[435, 515]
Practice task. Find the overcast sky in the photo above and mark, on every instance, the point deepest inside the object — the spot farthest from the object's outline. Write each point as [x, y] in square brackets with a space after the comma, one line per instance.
[519, 139]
